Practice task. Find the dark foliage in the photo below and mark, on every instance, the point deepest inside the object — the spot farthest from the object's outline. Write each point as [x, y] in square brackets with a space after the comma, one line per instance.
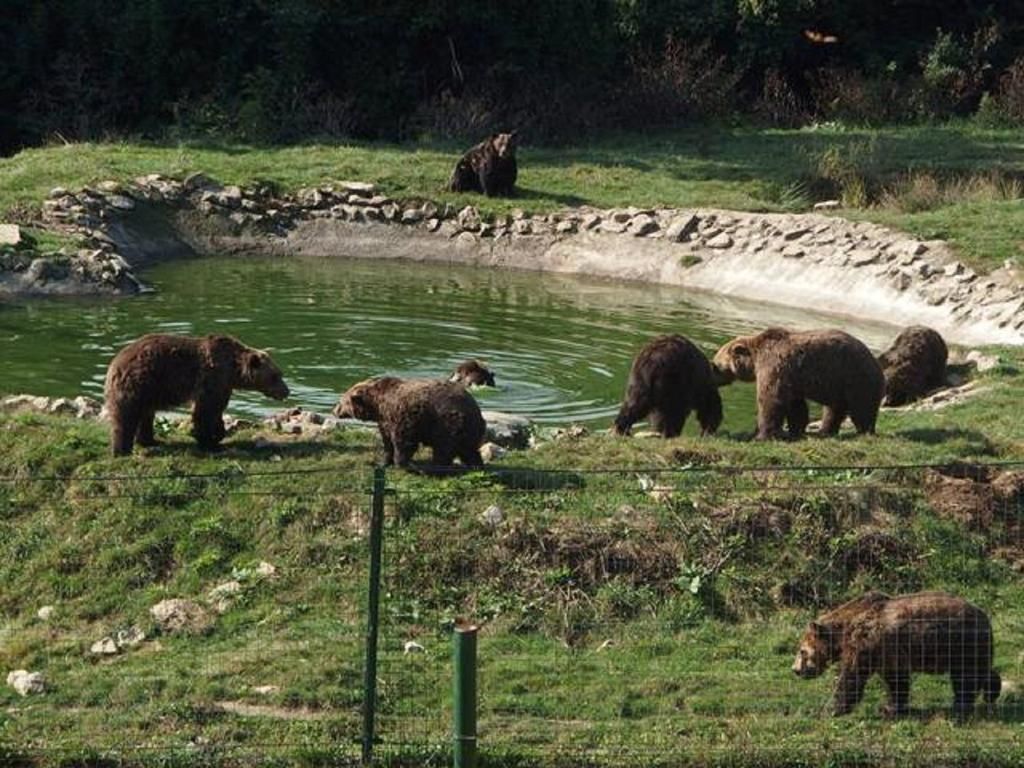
[280, 71]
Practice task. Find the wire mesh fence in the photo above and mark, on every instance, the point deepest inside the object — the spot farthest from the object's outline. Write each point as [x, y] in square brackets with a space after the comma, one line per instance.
[647, 615]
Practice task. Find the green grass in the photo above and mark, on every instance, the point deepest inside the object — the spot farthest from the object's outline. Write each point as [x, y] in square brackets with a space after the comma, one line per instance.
[619, 627]
[747, 169]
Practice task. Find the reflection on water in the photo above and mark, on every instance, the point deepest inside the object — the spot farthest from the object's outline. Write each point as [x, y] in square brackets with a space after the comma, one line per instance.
[560, 346]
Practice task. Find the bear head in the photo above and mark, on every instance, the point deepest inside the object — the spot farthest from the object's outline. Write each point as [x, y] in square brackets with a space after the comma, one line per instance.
[734, 361]
[472, 373]
[259, 372]
[505, 143]
[359, 402]
[818, 647]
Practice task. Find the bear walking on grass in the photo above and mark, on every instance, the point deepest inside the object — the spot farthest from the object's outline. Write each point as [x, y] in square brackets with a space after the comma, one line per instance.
[440, 414]
[489, 167]
[669, 378]
[914, 365]
[472, 373]
[160, 371]
[894, 636]
[829, 367]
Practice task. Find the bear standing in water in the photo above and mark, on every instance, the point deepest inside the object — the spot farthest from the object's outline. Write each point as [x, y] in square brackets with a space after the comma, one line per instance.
[790, 368]
[894, 636]
[489, 167]
[161, 371]
[669, 378]
[472, 373]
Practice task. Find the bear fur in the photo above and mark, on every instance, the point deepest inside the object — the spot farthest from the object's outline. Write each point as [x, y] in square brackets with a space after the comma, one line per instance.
[410, 412]
[830, 367]
[489, 167]
[669, 378]
[160, 371]
[930, 632]
[914, 365]
[472, 373]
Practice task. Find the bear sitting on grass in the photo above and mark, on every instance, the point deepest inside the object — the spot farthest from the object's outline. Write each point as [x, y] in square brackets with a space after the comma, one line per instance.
[669, 378]
[893, 636]
[489, 167]
[161, 371]
[790, 368]
[411, 412]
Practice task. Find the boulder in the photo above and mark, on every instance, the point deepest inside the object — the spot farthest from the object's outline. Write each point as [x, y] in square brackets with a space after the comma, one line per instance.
[25, 682]
[508, 430]
[176, 615]
[10, 234]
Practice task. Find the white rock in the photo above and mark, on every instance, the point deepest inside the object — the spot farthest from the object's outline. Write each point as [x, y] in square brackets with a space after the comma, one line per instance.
[493, 515]
[10, 234]
[826, 205]
[45, 613]
[265, 569]
[680, 227]
[266, 690]
[491, 451]
[982, 361]
[721, 240]
[412, 646]
[176, 615]
[507, 430]
[121, 202]
[221, 596]
[469, 218]
[362, 188]
[129, 638]
[862, 258]
[25, 682]
[106, 646]
[643, 224]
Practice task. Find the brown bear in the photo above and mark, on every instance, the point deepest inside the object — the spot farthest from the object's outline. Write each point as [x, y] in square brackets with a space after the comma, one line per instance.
[489, 167]
[409, 412]
[160, 371]
[913, 365]
[830, 367]
[472, 373]
[894, 636]
[669, 378]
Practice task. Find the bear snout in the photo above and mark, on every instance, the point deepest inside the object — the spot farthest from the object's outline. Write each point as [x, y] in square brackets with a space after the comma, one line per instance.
[721, 376]
[342, 411]
[278, 390]
[804, 670]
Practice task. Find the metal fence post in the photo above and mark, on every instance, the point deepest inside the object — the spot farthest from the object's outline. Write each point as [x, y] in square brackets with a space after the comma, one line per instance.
[373, 612]
[464, 690]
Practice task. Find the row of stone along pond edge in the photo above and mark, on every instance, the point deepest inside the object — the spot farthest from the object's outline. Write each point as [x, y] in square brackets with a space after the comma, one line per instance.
[812, 261]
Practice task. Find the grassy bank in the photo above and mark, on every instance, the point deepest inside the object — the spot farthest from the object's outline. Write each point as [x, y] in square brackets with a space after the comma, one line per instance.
[645, 614]
[957, 182]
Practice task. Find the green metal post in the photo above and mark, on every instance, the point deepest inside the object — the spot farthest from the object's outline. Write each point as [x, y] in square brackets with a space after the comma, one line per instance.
[464, 706]
[373, 612]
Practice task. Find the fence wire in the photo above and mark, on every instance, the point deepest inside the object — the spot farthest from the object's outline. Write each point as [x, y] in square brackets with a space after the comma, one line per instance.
[641, 615]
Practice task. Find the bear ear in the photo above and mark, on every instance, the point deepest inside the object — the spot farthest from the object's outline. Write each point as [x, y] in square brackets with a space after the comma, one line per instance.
[255, 360]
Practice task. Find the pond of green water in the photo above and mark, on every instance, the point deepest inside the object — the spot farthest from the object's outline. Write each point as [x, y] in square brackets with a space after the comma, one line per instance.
[560, 346]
